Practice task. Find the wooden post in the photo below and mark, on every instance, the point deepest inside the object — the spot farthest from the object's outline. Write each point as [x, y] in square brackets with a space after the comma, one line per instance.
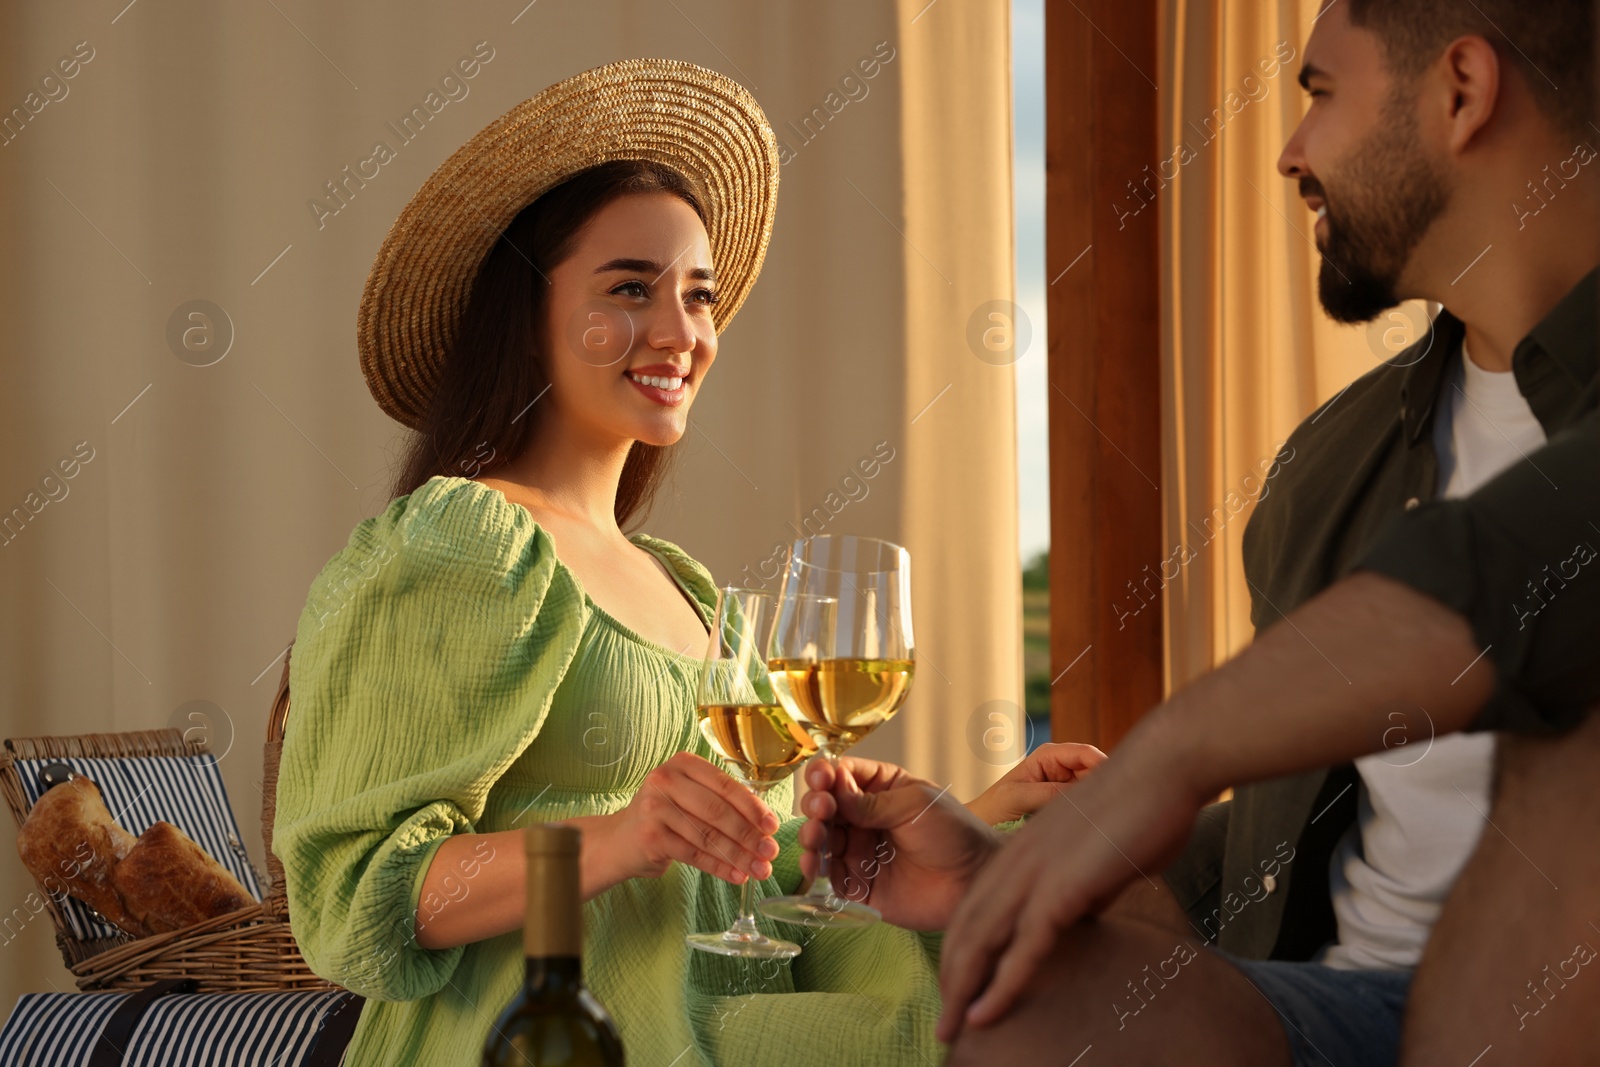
[1102, 255]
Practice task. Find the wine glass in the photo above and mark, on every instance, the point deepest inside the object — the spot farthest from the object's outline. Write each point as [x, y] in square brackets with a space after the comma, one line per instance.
[841, 662]
[759, 743]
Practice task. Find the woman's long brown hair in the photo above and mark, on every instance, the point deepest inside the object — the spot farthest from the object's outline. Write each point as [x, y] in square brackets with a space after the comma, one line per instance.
[483, 413]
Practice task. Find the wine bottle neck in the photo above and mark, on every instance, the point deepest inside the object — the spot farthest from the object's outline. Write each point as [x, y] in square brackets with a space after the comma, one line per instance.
[554, 976]
[553, 927]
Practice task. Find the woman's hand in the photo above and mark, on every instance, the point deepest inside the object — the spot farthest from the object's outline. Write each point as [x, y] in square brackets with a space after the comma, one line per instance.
[687, 810]
[1034, 782]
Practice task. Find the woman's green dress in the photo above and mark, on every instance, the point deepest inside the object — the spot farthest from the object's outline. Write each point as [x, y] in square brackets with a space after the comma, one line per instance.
[451, 676]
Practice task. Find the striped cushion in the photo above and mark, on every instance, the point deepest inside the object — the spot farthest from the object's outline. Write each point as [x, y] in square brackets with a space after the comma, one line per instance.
[47, 1029]
[179, 1030]
[233, 1029]
[186, 791]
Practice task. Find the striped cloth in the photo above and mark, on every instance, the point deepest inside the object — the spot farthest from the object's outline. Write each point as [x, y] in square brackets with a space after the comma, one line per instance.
[186, 791]
[55, 1028]
[180, 1030]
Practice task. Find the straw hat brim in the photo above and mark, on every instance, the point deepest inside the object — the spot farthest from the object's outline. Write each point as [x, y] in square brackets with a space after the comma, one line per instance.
[700, 122]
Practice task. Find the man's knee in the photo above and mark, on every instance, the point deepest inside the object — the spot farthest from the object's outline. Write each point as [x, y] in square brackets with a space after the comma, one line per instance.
[1534, 774]
[1507, 964]
[1153, 902]
[1134, 992]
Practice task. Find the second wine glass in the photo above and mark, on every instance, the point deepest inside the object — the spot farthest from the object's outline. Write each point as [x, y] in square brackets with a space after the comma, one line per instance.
[842, 663]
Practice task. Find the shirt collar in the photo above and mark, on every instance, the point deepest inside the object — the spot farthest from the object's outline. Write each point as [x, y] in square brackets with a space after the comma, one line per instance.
[1425, 363]
[1569, 334]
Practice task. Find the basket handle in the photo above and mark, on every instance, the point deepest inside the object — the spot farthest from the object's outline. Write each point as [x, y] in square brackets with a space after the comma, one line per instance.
[279, 719]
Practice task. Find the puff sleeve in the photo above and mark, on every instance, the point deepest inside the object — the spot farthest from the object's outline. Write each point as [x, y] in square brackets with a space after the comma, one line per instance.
[424, 663]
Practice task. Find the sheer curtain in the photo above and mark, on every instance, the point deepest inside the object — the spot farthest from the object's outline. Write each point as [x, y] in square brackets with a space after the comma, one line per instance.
[1247, 351]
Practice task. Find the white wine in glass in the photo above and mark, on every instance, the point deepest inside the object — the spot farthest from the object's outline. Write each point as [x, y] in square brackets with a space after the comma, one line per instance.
[842, 663]
[843, 699]
[743, 723]
[760, 743]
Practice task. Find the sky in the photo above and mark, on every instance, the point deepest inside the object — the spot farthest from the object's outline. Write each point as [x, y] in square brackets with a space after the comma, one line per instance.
[1033, 466]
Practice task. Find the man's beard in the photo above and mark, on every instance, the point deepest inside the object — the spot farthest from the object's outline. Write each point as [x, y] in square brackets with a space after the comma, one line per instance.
[1390, 192]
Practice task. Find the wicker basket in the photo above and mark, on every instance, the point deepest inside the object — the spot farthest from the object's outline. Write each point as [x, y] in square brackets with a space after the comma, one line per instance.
[249, 950]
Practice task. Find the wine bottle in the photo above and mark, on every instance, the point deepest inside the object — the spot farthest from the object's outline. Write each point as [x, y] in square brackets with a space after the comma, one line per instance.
[554, 1021]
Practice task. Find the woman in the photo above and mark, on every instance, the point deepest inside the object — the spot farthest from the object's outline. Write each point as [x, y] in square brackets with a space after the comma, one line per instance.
[493, 651]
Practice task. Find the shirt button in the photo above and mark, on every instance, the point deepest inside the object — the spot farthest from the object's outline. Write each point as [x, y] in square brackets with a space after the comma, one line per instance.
[1270, 882]
[1412, 503]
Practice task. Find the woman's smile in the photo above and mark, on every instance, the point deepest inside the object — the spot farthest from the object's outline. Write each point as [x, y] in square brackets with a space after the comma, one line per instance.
[663, 383]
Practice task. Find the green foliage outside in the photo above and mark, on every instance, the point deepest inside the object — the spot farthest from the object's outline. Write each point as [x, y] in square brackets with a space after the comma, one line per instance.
[1036, 645]
[1036, 574]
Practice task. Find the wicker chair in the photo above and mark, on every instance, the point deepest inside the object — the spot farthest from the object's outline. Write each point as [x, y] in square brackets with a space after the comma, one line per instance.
[249, 950]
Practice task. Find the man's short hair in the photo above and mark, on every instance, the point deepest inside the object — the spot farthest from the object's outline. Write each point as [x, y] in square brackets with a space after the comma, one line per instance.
[1551, 42]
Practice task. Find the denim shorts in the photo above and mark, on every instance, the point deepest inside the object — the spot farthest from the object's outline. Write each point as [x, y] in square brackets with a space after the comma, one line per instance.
[1332, 1016]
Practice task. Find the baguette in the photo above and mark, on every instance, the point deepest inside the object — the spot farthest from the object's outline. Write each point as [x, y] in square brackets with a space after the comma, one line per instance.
[169, 882]
[71, 845]
[151, 884]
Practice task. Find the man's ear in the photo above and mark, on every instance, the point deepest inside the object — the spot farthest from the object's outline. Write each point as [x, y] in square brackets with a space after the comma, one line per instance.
[1470, 68]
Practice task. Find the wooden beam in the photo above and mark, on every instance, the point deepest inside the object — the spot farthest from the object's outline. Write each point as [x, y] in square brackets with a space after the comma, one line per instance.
[1102, 256]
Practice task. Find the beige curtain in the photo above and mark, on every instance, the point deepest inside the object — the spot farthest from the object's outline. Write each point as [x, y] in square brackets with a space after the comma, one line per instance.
[957, 262]
[164, 578]
[1247, 351]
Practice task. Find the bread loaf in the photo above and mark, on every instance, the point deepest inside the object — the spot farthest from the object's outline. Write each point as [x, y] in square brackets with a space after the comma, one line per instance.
[71, 845]
[147, 885]
[169, 882]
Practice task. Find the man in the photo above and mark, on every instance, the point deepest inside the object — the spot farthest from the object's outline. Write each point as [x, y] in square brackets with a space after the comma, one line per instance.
[1433, 617]
[1446, 152]
[1444, 163]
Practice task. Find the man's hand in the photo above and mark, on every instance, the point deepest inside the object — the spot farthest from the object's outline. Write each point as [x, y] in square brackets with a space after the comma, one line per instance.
[901, 844]
[1128, 820]
[1034, 782]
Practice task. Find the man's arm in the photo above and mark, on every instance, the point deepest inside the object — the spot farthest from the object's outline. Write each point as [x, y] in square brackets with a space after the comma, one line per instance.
[1321, 687]
[1318, 688]
[913, 850]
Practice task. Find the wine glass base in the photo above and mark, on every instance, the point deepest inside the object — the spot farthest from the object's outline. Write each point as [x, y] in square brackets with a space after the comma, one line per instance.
[753, 948]
[824, 912]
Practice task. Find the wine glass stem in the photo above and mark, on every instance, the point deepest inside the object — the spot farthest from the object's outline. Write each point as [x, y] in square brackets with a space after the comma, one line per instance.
[745, 925]
[822, 888]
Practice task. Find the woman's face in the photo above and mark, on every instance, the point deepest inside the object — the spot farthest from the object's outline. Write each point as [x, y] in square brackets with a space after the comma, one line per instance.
[629, 332]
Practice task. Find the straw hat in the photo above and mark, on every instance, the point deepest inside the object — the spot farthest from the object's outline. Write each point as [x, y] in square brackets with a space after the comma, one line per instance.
[703, 124]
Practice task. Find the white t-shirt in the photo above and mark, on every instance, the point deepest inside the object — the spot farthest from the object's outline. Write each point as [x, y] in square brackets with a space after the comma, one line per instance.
[1423, 800]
